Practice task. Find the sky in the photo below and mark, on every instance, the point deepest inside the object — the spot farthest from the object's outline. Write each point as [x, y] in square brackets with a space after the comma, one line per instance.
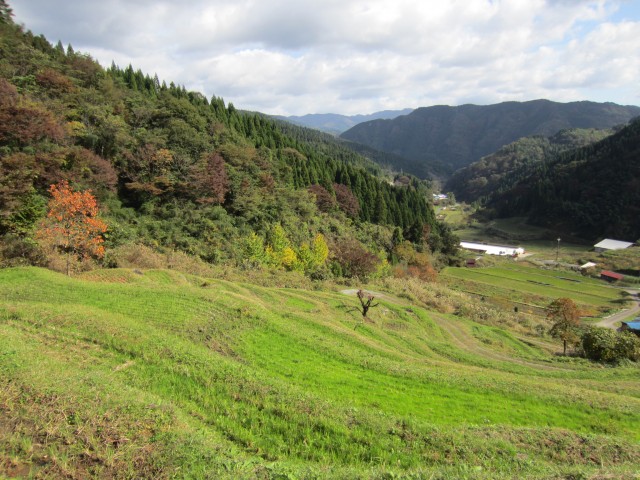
[293, 57]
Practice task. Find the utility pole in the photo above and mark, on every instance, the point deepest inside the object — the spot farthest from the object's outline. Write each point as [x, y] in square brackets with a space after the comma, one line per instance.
[558, 251]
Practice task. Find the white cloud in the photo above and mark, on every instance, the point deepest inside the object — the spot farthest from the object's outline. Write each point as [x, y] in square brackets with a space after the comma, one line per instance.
[359, 56]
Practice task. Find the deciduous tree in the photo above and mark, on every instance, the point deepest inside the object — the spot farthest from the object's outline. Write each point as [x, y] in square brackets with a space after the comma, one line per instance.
[366, 302]
[566, 317]
[346, 200]
[324, 199]
[72, 225]
[209, 179]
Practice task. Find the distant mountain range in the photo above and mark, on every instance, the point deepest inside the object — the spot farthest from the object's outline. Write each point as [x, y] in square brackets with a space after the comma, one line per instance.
[336, 124]
[441, 139]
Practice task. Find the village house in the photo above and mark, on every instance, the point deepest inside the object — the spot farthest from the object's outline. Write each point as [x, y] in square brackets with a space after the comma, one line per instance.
[610, 276]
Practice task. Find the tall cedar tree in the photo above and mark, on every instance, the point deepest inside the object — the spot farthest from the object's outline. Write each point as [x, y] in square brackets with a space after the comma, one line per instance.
[5, 12]
[72, 225]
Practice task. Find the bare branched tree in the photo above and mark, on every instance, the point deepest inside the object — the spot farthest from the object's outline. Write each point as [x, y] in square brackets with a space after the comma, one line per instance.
[366, 302]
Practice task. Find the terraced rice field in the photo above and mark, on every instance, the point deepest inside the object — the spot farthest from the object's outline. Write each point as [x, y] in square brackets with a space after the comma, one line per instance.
[537, 287]
[157, 374]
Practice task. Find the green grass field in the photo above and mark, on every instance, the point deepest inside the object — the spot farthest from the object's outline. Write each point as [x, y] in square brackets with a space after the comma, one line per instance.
[535, 286]
[157, 374]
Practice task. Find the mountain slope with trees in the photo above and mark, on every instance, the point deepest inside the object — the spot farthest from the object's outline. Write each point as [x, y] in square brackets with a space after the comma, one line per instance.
[483, 177]
[174, 170]
[442, 139]
[589, 192]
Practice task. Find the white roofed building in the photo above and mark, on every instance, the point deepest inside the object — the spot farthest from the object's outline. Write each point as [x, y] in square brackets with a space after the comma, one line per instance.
[492, 249]
[608, 244]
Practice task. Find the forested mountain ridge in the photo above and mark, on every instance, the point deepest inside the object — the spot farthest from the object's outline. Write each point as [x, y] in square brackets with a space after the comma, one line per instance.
[335, 123]
[174, 170]
[483, 177]
[590, 192]
[442, 139]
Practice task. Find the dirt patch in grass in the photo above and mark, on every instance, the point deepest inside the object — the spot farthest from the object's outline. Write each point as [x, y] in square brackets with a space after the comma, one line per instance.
[47, 436]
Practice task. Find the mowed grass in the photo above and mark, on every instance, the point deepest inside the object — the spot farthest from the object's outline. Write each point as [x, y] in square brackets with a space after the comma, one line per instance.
[157, 374]
[524, 283]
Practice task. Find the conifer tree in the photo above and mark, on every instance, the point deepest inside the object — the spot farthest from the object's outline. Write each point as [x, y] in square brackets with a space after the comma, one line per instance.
[60, 48]
[5, 12]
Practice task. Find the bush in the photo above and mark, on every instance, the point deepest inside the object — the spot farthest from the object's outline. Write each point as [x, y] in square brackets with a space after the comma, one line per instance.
[606, 345]
[17, 250]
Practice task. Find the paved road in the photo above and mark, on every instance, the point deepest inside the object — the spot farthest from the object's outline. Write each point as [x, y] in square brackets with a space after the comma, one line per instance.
[613, 320]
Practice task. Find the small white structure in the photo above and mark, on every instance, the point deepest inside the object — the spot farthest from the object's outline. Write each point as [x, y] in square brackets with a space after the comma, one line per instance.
[492, 249]
[588, 265]
[608, 244]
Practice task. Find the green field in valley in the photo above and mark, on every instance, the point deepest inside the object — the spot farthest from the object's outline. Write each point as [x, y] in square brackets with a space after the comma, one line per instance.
[157, 374]
[535, 286]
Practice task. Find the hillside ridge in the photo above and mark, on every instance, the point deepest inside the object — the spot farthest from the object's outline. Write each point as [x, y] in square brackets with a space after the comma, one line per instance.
[440, 139]
[336, 123]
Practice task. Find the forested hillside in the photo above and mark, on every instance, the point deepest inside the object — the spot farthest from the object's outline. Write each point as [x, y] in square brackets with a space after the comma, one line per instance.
[589, 192]
[483, 177]
[174, 170]
[442, 139]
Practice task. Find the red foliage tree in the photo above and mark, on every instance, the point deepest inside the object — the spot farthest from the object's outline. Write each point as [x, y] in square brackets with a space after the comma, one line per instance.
[209, 179]
[324, 200]
[72, 225]
[354, 259]
[91, 170]
[54, 81]
[346, 200]
[22, 122]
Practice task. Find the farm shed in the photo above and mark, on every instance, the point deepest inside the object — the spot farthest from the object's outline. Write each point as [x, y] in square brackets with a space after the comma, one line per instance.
[633, 326]
[610, 276]
[608, 244]
[492, 249]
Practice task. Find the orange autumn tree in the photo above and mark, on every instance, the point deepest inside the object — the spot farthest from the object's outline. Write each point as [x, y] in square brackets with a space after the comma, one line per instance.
[72, 225]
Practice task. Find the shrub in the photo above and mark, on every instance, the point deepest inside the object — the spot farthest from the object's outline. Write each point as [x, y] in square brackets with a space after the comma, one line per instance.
[413, 263]
[606, 345]
[17, 250]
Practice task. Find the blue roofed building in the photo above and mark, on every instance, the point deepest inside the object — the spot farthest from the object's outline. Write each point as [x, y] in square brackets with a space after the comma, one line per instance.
[633, 326]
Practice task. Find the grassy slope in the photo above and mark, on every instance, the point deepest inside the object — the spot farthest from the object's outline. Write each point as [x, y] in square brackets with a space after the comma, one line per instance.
[161, 375]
